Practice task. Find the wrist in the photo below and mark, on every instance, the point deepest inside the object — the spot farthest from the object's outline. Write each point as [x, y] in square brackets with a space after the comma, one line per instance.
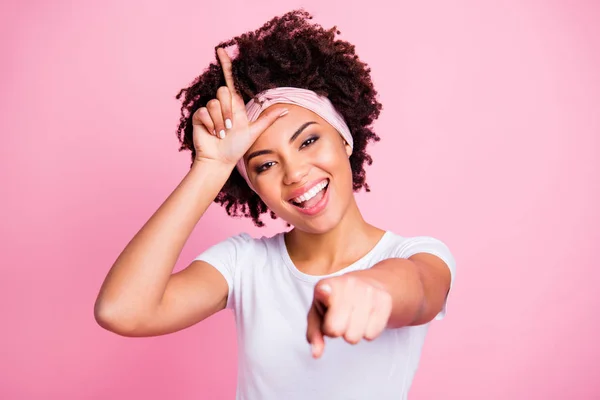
[214, 166]
[389, 274]
[372, 278]
[209, 175]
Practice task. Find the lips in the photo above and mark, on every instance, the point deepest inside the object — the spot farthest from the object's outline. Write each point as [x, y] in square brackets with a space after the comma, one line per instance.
[314, 200]
[311, 196]
[306, 189]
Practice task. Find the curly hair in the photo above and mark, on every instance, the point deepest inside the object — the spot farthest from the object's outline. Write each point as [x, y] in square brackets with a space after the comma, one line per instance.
[288, 51]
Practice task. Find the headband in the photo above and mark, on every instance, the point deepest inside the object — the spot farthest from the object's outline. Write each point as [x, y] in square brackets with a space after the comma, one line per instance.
[308, 99]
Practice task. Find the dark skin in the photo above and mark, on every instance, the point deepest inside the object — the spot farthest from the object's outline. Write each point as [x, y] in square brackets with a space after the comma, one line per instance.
[303, 148]
[289, 50]
[141, 296]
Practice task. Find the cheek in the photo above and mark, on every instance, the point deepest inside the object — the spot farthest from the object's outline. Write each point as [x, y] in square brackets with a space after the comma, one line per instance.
[333, 159]
[270, 193]
[326, 159]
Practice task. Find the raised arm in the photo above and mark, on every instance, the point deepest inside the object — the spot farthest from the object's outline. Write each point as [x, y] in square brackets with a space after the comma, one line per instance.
[140, 295]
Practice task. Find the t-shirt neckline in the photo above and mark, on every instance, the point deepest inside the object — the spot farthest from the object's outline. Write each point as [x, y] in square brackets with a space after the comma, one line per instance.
[315, 278]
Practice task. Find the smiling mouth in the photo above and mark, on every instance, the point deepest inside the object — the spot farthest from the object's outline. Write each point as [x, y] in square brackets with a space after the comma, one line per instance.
[312, 197]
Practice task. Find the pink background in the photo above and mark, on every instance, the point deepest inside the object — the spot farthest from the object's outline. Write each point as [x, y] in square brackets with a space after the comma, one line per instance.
[491, 132]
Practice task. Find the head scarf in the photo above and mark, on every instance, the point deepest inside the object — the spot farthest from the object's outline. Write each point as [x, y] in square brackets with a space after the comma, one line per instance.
[308, 99]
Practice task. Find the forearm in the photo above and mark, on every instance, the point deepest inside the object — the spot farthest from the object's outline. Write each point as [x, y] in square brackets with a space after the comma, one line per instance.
[137, 280]
[401, 279]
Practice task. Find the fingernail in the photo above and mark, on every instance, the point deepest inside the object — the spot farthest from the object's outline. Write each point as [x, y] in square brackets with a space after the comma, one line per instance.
[222, 134]
[214, 132]
[325, 288]
[284, 112]
[228, 124]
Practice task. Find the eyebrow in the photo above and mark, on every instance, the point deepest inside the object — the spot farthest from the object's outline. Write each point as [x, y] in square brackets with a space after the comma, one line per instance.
[299, 131]
[294, 136]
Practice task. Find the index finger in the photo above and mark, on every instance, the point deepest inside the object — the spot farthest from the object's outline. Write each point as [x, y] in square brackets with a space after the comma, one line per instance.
[226, 66]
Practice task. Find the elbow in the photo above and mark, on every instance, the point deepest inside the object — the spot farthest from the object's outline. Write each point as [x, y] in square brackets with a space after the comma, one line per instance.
[113, 319]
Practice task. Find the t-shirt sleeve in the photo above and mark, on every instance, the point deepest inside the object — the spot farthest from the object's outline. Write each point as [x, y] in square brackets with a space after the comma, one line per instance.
[226, 256]
[426, 244]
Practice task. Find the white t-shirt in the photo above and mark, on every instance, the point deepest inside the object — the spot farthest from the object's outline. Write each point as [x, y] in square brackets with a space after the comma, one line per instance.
[270, 298]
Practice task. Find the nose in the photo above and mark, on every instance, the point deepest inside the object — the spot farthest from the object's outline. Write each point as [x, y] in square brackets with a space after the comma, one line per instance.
[295, 171]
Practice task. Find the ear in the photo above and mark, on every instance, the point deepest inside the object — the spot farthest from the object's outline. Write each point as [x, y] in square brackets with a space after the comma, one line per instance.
[348, 149]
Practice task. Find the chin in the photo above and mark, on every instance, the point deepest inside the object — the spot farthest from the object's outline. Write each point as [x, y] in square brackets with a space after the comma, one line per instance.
[317, 226]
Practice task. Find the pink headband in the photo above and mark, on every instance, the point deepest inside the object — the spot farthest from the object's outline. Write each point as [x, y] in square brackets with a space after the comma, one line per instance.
[308, 99]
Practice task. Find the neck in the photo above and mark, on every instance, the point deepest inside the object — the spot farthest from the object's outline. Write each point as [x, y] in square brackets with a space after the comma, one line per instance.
[326, 253]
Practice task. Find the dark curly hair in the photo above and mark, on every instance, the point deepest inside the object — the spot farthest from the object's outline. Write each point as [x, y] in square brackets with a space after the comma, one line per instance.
[289, 51]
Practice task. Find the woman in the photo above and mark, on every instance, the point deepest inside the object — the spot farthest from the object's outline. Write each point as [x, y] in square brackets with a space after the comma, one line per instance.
[283, 129]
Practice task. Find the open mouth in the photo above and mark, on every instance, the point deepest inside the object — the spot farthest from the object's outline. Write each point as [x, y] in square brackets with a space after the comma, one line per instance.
[311, 198]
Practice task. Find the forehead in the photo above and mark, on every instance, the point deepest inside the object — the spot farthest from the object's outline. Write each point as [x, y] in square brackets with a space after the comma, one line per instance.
[283, 128]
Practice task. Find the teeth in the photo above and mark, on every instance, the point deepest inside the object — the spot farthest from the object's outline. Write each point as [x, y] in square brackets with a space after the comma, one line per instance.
[311, 193]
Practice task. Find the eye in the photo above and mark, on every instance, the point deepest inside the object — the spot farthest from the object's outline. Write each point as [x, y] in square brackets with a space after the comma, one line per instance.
[264, 167]
[309, 141]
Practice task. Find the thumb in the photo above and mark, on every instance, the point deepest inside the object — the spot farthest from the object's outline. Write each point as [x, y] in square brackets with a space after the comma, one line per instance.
[266, 120]
[323, 293]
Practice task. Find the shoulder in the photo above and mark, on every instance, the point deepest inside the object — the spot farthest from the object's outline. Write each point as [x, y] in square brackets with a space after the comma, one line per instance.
[407, 246]
[243, 243]
[245, 239]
